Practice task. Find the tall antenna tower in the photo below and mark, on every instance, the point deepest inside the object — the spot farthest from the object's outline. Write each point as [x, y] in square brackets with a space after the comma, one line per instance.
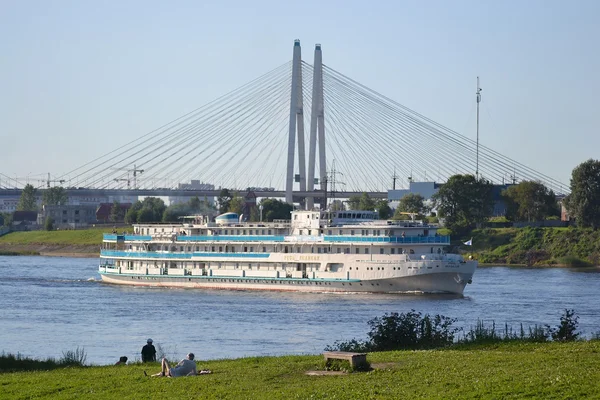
[394, 178]
[333, 180]
[478, 93]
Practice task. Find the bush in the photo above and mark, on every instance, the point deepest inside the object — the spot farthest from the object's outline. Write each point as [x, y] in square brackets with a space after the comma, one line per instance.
[572, 261]
[49, 224]
[75, 357]
[409, 330]
[486, 335]
[566, 331]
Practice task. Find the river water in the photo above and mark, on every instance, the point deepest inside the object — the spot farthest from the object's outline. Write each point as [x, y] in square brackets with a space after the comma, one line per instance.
[51, 305]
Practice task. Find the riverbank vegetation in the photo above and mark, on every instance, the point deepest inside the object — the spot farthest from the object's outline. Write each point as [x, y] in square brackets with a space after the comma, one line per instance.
[484, 364]
[572, 247]
[504, 370]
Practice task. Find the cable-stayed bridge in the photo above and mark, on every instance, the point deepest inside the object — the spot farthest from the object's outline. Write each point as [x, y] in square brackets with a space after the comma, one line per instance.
[300, 130]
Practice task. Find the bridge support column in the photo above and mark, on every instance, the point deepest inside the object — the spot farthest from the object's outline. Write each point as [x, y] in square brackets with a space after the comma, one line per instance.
[296, 120]
[317, 125]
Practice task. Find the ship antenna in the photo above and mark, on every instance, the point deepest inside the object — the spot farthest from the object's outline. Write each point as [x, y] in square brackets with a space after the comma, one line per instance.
[478, 93]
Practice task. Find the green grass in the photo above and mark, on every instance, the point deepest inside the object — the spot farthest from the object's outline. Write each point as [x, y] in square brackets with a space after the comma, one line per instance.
[513, 370]
[538, 246]
[67, 237]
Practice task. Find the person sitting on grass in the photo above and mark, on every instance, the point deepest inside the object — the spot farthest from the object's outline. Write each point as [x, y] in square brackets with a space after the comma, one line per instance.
[122, 361]
[186, 367]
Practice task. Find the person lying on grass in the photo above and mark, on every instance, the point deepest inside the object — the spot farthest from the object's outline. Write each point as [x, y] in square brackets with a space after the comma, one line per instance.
[186, 367]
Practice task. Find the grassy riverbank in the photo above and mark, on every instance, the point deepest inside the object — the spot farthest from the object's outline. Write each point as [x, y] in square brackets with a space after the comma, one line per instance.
[509, 370]
[573, 247]
[68, 243]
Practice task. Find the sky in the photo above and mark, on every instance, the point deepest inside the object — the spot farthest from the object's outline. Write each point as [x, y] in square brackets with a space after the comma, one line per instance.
[78, 78]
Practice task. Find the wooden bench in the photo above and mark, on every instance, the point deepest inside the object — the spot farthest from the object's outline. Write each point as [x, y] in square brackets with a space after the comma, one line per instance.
[355, 359]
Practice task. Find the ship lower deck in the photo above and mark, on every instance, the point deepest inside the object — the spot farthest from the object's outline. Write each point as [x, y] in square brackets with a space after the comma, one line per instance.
[444, 282]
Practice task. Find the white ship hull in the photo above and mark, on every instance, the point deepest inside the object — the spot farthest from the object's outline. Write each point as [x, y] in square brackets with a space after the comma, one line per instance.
[315, 251]
[453, 280]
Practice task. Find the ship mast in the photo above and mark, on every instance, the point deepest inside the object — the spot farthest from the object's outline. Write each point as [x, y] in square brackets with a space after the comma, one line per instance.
[478, 93]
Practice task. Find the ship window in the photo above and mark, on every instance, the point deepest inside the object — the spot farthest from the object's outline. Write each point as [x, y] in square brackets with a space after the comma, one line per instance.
[250, 232]
[329, 232]
[356, 250]
[264, 249]
[233, 249]
[285, 249]
[296, 216]
[298, 250]
[162, 229]
[244, 232]
[226, 231]
[432, 250]
[245, 249]
[318, 250]
[197, 248]
[220, 249]
[352, 232]
[366, 250]
[400, 251]
[189, 248]
[262, 232]
[339, 250]
[269, 232]
[381, 250]
[251, 249]
[412, 251]
[180, 248]
[347, 250]
[392, 251]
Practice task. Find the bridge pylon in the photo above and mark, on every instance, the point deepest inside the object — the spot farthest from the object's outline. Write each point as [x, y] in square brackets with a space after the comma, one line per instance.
[296, 120]
[317, 126]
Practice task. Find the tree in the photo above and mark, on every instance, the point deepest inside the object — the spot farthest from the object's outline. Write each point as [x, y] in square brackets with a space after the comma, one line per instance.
[156, 206]
[27, 201]
[362, 202]
[146, 215]
[195, 203]
[132, 213]
[254, 214]
[49, 224]
[116, 212]
[412, 203]
[223, 200]
[275, 209]
[464, 201]
[337, 205]
[174, 212]
[383, 209]
[55, 196]
[584, 201]
[149, 210]
[7, 219]
[529, 201]
[236, 204]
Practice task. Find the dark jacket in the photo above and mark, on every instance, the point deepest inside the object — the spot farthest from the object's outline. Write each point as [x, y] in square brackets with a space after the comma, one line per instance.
[148, 353]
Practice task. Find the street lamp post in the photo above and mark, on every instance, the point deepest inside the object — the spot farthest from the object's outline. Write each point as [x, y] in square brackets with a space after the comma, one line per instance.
[260, 207]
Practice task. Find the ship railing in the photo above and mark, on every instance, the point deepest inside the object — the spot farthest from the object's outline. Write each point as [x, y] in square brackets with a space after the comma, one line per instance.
[389, 239]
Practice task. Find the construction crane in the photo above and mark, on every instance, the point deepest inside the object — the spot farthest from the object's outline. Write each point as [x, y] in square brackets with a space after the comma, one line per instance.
[124, 180]
[49, 181]
[135, 171]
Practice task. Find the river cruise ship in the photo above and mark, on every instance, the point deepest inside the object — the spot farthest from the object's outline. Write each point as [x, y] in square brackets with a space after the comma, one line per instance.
[315, 251]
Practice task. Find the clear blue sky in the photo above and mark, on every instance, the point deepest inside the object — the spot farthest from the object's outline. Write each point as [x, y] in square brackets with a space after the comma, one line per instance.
[80, 77]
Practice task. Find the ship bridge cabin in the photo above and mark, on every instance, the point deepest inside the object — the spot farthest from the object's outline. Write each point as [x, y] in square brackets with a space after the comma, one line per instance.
[356, 223]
